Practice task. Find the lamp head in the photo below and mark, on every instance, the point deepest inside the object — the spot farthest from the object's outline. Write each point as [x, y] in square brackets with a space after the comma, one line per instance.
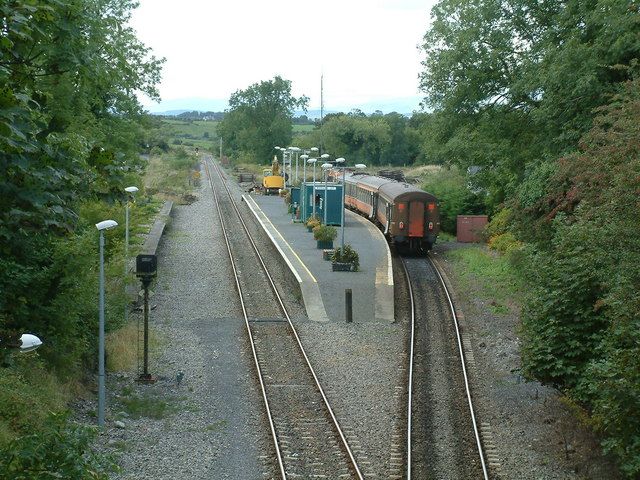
[312, 160]
[360, 165]
[314, 149]
[29, 342]
[339, 160]
[325, 155]
[106, 224]
[304, 156]
[326, 165]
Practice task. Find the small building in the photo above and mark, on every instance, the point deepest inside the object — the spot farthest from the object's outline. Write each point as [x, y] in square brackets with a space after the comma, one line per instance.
[333, 201]
[469, 228]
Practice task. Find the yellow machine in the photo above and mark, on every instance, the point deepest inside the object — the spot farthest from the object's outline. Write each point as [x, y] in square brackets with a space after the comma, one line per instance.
[272, 180]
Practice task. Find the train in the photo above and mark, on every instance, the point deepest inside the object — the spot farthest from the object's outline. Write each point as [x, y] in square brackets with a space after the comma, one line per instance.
[408, 216]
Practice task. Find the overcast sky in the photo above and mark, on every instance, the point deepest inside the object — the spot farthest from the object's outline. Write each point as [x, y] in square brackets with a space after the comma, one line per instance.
[367, 49]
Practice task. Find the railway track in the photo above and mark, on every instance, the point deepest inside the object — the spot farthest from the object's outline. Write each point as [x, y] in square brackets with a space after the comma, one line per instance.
[443, 440]
[307, 440]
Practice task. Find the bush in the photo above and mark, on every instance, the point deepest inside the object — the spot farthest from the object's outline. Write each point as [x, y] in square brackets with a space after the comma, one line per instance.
[312, 222]
[348, 255]
[454, 197]
[325, 233]
[504, 243]
[60, 450]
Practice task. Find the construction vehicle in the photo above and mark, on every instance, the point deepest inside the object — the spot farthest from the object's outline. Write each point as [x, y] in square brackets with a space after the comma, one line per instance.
[272, 181]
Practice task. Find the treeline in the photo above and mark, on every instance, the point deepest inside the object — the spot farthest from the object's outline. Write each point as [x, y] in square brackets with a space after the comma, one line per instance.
[71, 130]
[543, 99]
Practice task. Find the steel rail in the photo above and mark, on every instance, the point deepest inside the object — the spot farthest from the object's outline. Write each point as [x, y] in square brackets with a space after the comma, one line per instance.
[464, 367]
[410, 379]
[345, 444]
[246, 320]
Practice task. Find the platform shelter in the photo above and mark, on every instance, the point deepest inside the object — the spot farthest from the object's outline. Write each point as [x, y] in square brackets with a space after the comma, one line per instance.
[332, 201]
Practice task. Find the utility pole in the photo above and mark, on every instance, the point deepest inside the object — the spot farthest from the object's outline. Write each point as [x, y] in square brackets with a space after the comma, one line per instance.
[220, 150]
[321, 107]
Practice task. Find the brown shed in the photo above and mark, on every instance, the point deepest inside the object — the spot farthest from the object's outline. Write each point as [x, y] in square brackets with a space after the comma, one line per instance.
[470, 227]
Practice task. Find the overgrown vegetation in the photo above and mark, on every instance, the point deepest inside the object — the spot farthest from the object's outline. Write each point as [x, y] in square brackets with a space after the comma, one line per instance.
[71, 131]
[59, 449]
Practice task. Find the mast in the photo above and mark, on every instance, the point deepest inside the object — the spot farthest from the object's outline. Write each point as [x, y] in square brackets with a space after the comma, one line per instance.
[321, 108]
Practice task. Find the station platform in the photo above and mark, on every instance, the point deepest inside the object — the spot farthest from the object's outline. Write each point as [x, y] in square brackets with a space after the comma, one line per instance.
[323, 290]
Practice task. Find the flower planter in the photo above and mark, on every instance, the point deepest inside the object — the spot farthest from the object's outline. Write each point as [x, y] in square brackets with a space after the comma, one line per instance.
[324, 244]
[341, 267]
[327, 254]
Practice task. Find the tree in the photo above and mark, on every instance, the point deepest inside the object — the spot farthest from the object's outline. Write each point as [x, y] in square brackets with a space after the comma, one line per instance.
[516, 82]
[260, 118]
[68, 133]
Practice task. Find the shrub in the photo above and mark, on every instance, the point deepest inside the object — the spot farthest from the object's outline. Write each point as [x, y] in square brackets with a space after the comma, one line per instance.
[325, 233]
[60, 450]
[454, 196]
[312, 222]
[504, 242]
[346, 255]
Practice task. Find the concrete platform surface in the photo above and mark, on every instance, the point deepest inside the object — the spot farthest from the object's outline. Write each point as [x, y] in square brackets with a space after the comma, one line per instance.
[323, 290]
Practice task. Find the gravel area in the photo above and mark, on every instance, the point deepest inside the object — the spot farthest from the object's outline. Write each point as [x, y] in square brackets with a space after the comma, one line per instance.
[209, 412]
[535, 432]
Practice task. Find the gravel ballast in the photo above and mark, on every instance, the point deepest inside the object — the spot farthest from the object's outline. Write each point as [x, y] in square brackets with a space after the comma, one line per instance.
[212, 426]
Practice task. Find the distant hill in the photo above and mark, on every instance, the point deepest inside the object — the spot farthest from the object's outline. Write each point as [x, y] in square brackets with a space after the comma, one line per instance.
[404, 105]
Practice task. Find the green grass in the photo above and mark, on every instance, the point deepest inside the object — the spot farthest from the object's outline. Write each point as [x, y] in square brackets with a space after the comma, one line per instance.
[303, 128]
[148, 406]
[496, 280]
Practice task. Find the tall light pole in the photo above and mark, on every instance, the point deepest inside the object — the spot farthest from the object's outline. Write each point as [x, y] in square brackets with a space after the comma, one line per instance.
[295, 150]
[325, 168]
[304, 158]
[313, 162]
[102, 226]
[341, 162]
[130, 191]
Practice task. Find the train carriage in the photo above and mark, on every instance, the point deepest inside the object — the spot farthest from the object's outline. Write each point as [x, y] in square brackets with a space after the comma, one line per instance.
[410, 214]
[407, 215]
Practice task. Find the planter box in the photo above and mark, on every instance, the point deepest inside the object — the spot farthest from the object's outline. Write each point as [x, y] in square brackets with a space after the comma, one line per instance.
[327, 254]
[341, 267]
[324, 245]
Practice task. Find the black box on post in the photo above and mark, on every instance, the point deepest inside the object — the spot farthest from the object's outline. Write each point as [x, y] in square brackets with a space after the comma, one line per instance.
[146, 265]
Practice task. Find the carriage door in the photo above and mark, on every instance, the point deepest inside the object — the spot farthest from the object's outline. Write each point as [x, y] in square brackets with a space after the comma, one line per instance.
[416, 219]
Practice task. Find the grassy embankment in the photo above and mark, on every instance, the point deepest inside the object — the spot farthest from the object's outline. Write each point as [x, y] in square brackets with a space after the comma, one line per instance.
[36, 384]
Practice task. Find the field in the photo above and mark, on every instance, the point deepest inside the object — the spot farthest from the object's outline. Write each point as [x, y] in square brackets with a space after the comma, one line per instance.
[197, 133]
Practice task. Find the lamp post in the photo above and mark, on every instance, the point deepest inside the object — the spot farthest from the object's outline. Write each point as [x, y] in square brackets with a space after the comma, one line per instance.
[102, 226]
[131, 191]
[341, 161]
[313, 162]
[304, 158]
[295, 150]
[325, 168]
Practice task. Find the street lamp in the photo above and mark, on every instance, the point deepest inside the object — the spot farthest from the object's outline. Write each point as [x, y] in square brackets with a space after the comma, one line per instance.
[295, 150]
[341, 161]
[131, 191]
[29, 342]
[304, 158]
[313, 162]
[325, 168]
[102, 226]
